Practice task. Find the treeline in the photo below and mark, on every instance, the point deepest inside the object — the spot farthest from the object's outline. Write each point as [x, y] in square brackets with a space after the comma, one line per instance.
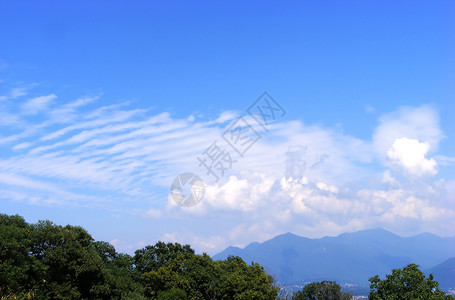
[48, 261]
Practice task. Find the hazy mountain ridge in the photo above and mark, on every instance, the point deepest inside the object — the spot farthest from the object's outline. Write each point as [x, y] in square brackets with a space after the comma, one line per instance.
[444, 273]
[349, 257]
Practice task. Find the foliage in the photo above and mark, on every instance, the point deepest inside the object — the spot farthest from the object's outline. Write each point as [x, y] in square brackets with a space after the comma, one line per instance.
[244, 281]
[199, 277]
[153, 257]
[17, 269]
[324, 290]
[48, 261]
[406, 283]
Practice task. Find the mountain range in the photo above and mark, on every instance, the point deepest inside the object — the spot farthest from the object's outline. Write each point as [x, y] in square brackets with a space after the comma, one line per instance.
[350, 257]
[444, 273]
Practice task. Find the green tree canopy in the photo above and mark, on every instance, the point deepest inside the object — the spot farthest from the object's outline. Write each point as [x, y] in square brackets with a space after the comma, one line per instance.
[243, 281]
[152, 257]
[17, 269]
[191, 276]
[48, 261]
[406, 283]
[324, 290]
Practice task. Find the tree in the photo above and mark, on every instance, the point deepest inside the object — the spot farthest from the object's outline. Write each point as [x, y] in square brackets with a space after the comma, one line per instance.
[243, 281]
[72, 267]
[18, 271]
[406, 283]
[48, 261]
[173, 271]
[172, 294]
[118, 272]
[151, 257]
[324, 290]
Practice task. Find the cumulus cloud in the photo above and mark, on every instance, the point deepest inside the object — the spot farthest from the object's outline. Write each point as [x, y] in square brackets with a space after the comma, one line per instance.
[419, 123]
[410, 155]
[388, 178]
[266, 205]
[302, 178]
[239, 194]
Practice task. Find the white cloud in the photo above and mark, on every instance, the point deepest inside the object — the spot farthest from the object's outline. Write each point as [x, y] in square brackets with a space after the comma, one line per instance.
[42, 193]
[239, 194]
[23, 145]
[369, 109]
[409, 155]
[38, 104]
[8, 119]
[445, 160]
[305, 179]
[389, 179]
[420, 123]
[152, 213]
[269, 205]
[25, 182]
[18, 92]
[226, 116]
[68, 112]
[14, 93]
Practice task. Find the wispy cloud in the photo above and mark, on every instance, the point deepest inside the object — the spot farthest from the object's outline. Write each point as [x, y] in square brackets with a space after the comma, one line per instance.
[14, 93]
[38, 104]
[303, 178]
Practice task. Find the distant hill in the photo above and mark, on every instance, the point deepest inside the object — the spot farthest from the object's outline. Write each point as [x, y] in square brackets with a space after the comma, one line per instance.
[347, 258]
[444, 273]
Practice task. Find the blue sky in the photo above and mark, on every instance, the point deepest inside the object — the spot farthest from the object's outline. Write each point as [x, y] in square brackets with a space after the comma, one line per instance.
[103, 104]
